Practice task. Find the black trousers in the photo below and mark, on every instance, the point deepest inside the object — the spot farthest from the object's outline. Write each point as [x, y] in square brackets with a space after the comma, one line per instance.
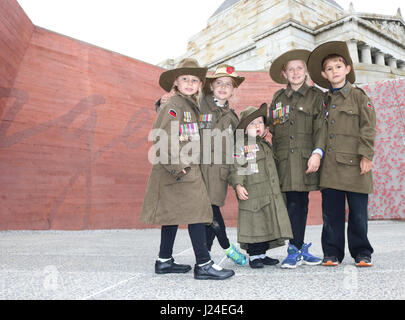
[217, 229]
[198, 241]
[333, 232]
[297, 207]
[255, 249]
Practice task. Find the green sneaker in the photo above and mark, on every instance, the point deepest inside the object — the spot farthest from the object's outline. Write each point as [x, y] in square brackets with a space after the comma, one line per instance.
[237, 257]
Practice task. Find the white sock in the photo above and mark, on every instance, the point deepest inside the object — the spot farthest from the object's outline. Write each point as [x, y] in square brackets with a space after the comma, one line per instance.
[262, 256]
[251, 258]
[164, 260]
[204, 264]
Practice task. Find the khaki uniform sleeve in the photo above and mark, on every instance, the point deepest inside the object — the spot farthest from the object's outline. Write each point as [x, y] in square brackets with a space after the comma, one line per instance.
[236, 175]
[270, 119]
[367, 127]
[164, 122]
[320, 129]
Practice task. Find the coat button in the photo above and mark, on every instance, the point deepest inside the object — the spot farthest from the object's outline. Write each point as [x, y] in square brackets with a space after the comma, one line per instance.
[332, 121]
[292, 150]
[332, 136]
[291, 137]
[173, 171]
[333, 107]
[292, 122]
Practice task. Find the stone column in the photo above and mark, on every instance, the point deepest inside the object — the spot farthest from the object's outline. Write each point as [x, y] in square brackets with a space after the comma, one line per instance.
[366, 54]
[379, 58]
[392, 62]
[352, 45]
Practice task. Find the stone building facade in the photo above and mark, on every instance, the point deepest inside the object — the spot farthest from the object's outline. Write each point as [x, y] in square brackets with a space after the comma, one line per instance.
[250, 34]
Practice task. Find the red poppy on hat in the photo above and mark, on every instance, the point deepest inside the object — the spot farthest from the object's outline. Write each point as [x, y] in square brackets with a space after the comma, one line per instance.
[229, 70]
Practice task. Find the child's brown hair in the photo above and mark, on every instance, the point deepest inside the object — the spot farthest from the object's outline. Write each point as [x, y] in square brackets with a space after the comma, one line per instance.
[333, 56]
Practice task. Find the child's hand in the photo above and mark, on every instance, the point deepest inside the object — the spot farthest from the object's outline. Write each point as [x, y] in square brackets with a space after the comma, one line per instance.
[241, 192]
[313, 163]
[167, 96]
[365, 165]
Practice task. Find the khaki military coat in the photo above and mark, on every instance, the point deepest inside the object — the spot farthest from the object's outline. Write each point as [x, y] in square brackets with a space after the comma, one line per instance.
[218, 125]
[298, 127]
[263, 217]
[351, 136]
[173, 197]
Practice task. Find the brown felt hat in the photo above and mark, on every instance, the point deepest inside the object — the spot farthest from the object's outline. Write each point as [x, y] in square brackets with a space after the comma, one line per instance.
[318, 56]
[251, 113]
[279, 64]
[187, 66]
[223, 70]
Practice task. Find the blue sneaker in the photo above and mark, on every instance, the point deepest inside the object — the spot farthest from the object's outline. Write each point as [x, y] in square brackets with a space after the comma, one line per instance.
[237, 257]
[293, 259]
[308, 258]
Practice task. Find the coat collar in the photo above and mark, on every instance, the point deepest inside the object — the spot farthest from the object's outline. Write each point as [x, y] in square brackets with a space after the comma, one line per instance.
[214, 107]
[344, 91]
[302, 91]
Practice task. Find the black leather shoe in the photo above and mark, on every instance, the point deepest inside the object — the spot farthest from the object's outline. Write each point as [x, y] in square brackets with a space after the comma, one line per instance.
[269, 261]
[256, 263]
[208, 272]
[171, 267]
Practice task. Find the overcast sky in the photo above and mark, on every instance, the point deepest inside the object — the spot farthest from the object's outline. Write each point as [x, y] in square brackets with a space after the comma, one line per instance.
[150, 30]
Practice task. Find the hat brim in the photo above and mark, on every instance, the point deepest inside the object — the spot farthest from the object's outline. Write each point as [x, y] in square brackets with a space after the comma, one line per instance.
[320, 53]
[261, 112]
[207, 87]
[168, 77]
[278, 64]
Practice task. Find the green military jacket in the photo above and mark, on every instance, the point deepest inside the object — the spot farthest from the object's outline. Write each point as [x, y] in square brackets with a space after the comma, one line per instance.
[297, 123]
[263, 217]
[173, 197]
[222, 122]
[351, 135]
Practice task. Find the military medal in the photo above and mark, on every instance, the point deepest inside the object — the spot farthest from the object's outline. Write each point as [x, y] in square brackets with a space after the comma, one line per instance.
[205, 120]
[188, 131]
[253, 168]
[249, 152]
[187, 116]
[280, 114]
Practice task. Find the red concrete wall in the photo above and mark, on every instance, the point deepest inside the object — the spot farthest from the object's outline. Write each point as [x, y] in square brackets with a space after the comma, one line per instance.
[15, 30]
[73, 133]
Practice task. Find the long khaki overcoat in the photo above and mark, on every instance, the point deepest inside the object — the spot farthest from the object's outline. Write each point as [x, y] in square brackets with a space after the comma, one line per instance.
[173, 197]
[263, 217]
[219, 124]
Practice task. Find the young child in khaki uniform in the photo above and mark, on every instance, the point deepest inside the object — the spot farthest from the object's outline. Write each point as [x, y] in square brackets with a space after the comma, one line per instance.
[219, 120]
[298, 127]
[346, 169]
[176, 193]
[263, 221]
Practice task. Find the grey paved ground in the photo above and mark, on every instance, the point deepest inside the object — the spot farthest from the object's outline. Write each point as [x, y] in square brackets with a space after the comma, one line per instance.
[119, 264]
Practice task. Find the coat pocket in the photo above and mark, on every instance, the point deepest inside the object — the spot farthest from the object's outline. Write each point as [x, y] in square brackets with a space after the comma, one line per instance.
[191, 176]
[253, 220]
[304, 120]
[349, 159]
[349, 120]
[253, 205]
